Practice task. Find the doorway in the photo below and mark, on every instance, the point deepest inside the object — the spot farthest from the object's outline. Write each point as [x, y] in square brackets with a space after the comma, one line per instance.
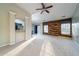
[19, 30]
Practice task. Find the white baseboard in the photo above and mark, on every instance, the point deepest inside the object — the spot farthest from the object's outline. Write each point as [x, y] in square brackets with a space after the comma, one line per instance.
[4, 45]
[11, 43]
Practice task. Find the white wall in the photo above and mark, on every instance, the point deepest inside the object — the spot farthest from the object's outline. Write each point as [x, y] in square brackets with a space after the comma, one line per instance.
[28, 27]
[20, 36]
[75, 25]
[4, 20]
[39, 30]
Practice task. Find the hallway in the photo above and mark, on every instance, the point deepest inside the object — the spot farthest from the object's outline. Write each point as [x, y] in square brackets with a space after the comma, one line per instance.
[42, 45]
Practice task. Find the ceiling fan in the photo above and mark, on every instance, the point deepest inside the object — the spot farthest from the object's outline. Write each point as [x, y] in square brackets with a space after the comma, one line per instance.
[44, 8]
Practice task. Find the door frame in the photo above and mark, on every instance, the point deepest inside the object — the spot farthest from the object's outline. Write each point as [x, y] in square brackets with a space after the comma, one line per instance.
[12, 17]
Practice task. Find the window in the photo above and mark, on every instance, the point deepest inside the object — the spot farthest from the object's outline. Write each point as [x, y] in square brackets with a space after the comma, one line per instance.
[45, 28]
[65, 28]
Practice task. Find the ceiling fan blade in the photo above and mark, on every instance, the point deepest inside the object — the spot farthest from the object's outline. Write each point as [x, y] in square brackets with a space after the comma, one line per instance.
[39, 9]
[47, 11]
[43, 5]
[49, 7]
[42, 12]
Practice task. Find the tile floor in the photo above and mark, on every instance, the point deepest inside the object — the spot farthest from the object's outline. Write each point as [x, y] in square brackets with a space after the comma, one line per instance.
[42, 45]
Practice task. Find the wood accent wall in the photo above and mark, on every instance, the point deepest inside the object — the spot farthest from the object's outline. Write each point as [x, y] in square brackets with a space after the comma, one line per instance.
[54, 28]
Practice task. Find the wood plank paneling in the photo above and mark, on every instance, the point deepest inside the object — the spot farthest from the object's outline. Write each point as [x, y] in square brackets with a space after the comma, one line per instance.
[54, 27]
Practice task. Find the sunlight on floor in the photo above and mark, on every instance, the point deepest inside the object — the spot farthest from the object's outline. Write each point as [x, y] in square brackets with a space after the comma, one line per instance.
[19, 48]
[47, 49]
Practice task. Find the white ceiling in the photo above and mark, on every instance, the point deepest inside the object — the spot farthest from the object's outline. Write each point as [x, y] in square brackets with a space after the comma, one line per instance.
[58, 10]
